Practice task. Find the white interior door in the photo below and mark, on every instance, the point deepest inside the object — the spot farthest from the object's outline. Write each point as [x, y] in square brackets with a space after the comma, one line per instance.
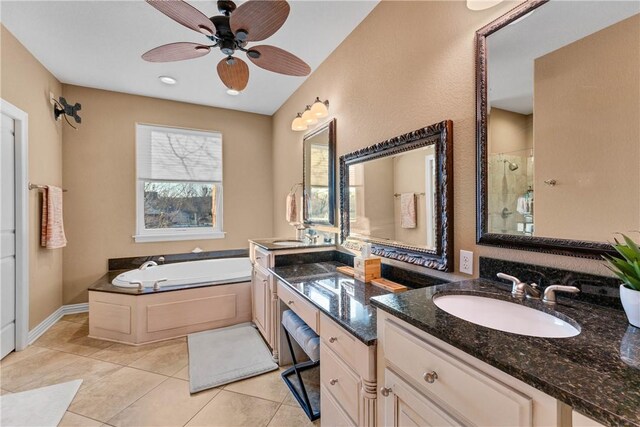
[7, 238]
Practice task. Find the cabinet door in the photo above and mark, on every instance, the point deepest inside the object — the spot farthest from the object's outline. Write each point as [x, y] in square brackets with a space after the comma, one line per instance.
[261, 301]
[405, 406]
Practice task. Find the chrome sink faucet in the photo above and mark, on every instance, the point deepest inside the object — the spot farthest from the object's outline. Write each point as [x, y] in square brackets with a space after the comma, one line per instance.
[147, 264]
[520, 289]
[550, 292]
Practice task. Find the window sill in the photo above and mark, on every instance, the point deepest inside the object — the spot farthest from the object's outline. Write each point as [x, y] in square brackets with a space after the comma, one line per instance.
[147, 238]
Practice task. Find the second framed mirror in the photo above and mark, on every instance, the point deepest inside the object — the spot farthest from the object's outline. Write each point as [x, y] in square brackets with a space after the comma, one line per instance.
[319, 175]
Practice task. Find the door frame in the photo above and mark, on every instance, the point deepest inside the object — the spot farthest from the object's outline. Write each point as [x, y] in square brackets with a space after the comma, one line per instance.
[21, 163]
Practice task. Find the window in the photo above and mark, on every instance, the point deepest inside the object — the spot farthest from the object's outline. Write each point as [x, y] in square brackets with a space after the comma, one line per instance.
[179, 184]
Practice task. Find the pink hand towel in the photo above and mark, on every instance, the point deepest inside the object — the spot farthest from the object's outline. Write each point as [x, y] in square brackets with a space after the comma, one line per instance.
[52, 229]
[292, 209]
[408, 210]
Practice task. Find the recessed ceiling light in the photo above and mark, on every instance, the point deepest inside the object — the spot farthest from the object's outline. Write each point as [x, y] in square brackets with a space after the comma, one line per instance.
[233, 92]
[168, 80]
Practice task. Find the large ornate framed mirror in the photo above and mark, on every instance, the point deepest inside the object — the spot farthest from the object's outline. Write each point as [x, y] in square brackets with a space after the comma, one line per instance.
[398, 196]
[558, 140]
[319, 183]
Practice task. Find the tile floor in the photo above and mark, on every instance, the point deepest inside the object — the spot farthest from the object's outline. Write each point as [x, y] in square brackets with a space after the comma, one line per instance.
[142, 386]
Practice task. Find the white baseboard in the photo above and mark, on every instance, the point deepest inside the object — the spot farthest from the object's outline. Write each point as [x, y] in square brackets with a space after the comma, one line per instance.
[36, 332]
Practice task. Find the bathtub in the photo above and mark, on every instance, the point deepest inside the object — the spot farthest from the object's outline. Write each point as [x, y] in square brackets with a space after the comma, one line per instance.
[197, 296]
[183, 274]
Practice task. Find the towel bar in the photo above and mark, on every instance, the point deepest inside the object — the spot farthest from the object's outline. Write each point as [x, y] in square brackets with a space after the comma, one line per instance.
[41, 187]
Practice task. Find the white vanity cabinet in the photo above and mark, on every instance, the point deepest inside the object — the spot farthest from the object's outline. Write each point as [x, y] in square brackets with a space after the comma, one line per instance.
[264, 296]
[425, 381]
[347, 377]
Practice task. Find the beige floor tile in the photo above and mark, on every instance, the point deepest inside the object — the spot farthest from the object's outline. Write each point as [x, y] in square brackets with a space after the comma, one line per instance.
[232, 409]
[127, 354]
[88, 370]
[292, 416]
[71, 337]
[183, 373]
[31, 368]
[169, 404]
[3, 392]
[166, 360]
[74, 420]
[77, 318]
[16, 356]
[267, 386]
[290, 400]
[114, 392]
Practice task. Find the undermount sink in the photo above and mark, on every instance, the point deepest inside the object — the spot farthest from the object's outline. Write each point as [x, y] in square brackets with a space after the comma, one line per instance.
[505, 316]
[288, 242]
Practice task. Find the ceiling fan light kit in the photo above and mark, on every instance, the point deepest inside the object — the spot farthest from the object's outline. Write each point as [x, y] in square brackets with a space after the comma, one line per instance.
[252, 21]
[312, 113]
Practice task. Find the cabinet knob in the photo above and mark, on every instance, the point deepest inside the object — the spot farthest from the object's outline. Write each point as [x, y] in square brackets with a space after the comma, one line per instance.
[385, 391]
[290, 302]
[333, 339]
[430, 377]
[333, 381]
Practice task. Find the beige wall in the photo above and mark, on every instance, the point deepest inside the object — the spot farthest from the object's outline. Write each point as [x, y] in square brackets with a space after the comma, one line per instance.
[587, 104]
[407, 65]
[25, 83]
[99, 172]
[509, 132]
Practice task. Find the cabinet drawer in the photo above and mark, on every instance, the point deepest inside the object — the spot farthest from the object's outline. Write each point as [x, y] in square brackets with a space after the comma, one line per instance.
[342, 383]
[338, 340]
[475, 396]
[332, 414]
[261, 257]
[302, 308]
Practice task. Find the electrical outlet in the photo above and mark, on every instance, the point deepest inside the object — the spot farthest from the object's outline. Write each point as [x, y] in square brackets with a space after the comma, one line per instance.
[466, 262]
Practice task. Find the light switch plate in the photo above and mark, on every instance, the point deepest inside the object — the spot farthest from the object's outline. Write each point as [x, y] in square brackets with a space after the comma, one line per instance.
[466, 262]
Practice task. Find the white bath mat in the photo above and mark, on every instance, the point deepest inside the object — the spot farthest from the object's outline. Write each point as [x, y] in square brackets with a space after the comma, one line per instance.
[225, 355]
[38, 407]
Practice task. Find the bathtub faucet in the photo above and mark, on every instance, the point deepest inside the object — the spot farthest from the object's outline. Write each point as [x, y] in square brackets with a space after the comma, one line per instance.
[147, 264]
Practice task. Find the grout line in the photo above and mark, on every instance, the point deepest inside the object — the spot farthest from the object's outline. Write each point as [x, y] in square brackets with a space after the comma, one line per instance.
[102, 422]
[203, 406]
[132, 403]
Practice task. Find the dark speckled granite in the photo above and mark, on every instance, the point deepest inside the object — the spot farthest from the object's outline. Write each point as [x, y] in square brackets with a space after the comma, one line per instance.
[269, 244]
[341, 297]
[586, 371]
[594, 289]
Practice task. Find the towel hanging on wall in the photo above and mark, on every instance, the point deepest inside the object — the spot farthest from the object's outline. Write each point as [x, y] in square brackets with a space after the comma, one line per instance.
[408, 210]
[52, 229]
[292, 208]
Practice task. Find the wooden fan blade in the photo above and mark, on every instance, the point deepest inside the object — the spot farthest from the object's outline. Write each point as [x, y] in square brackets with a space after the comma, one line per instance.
[280, 61]
[185, 14]
[259, 18]
[234, 76]
[176, 52]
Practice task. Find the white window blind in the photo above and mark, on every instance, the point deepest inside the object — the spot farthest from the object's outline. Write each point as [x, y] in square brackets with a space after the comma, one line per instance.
[169, 154]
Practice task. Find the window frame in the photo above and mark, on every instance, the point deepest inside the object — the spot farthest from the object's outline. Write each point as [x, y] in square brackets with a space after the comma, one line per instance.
[143, 234]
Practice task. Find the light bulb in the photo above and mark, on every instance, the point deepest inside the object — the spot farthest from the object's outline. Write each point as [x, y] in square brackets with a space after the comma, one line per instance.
[233, 92]
[319, 109]
[298, 124]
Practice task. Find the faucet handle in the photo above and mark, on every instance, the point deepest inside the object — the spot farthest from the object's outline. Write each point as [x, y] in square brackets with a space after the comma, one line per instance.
[139, 283]
[517, 287]
[156, 285]
[550, 292]
[514, 280]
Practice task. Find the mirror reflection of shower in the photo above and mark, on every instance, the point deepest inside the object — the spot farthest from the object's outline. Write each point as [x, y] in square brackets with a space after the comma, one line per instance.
[511, 193]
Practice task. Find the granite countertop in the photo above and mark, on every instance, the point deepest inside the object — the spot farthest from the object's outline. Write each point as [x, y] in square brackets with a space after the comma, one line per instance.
[585, 371]
[341, 297]
[270, 244]
[103, 284]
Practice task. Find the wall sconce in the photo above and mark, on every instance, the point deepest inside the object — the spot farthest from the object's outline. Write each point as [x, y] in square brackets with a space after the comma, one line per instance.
[318, 110]
[63, 109]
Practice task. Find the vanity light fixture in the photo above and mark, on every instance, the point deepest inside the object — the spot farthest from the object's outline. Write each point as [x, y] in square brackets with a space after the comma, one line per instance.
[299, 124]
[482, 4]
[233, 92]
[312, 113]
[168, 80]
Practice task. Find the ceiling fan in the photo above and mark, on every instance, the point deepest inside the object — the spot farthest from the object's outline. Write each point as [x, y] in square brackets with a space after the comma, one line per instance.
[252, 21]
